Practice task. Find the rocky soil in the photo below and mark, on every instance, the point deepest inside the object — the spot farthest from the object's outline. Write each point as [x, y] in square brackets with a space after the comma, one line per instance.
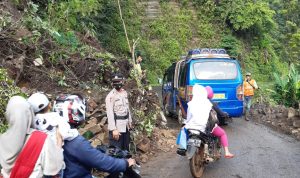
[45, 66]
[280, 118]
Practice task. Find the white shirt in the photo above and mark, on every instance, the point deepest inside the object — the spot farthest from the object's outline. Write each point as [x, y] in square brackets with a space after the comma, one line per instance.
[198, 109]
[49, 122]
[196, 120]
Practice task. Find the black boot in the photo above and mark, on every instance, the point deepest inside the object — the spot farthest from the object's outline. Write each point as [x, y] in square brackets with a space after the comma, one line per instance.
[181, 151]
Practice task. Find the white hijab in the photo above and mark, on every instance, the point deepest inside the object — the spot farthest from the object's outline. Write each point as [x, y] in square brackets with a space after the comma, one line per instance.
[19, 116]
[198, 109]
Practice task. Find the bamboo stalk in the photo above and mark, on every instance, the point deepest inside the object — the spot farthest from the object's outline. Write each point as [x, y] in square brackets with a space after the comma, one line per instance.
[124, 26]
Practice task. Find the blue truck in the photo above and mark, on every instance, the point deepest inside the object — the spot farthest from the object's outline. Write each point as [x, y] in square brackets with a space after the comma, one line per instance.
[207, 67]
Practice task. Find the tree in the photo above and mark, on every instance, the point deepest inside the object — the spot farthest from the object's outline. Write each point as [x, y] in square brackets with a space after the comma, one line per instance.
[247, 15]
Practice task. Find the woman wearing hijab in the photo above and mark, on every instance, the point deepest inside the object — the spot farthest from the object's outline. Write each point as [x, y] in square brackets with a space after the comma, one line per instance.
[198, 113]
[18, 151]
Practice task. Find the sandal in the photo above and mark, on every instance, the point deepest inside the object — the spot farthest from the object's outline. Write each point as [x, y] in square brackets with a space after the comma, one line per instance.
[229, 156]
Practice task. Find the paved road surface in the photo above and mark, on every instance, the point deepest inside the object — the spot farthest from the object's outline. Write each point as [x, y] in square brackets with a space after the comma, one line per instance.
[260, 153]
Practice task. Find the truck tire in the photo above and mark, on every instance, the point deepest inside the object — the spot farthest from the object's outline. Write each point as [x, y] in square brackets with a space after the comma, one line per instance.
[166, 111]
[180, 118]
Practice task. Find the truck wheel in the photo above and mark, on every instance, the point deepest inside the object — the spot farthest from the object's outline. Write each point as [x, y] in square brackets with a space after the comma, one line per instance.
[179, 116]
[197, 164]
[166, 111]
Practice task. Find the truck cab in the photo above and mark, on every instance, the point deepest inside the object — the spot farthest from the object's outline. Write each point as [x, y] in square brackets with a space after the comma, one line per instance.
[207, 67]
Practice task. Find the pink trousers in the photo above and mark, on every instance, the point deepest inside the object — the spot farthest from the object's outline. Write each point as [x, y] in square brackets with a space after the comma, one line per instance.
[219, 132]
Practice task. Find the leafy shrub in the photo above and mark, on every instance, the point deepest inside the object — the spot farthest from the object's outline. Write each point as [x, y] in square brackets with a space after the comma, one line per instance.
[231, 44]
[66, 15]
[3, 127]
[247, 14]
[7, 90]
[67, 39]
[146, 123]
[287, 88]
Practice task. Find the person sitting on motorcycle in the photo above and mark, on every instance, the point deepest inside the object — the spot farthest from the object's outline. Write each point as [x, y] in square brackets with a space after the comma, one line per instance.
[221, 115]
[198, 113]
[80, 157]
[49, 122]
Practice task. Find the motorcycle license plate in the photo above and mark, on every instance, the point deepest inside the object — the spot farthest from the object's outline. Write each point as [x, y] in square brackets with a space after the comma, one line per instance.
[194, 142]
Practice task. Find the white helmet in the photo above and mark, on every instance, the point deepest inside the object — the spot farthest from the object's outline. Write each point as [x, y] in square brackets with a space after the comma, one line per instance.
[71, 107]
[38, 101]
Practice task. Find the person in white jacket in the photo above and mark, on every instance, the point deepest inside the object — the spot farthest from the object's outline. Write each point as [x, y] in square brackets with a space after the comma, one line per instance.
[198, 113]
[19, 116]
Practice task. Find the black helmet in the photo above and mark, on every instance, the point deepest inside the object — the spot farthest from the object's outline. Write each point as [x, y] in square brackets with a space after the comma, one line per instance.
[117, 81]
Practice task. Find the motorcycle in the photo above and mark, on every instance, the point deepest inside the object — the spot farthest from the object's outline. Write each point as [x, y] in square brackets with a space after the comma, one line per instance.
[202, 148]
[131, 172]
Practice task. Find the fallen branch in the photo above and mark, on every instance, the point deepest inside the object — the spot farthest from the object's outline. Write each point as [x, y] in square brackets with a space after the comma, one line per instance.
[133, 50]
[39, 70]
[21, 67]
[94, 112]
[69, 70]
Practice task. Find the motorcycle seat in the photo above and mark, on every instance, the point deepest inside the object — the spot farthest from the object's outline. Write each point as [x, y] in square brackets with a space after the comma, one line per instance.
[197, 133]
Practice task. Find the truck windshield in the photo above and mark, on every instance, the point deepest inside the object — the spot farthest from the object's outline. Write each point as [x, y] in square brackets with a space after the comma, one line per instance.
[215, 70]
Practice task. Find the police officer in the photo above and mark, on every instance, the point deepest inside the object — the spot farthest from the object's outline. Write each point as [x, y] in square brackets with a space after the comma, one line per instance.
[118, 114]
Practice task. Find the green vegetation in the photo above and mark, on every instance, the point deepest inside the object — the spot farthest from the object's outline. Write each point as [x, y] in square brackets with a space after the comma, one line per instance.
[167, 39]
[144, 122]
[287, 88]
[7, 90]
[263, 35]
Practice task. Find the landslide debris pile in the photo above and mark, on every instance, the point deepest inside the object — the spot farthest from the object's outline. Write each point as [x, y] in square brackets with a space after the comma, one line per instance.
[34, 67]
[280, 118]
[35, 61]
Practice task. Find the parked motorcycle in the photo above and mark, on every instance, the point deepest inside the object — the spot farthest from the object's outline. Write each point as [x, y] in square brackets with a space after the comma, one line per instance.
[203, 148]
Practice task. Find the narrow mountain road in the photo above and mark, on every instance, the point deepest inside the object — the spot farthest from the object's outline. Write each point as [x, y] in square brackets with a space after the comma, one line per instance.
[260, 153]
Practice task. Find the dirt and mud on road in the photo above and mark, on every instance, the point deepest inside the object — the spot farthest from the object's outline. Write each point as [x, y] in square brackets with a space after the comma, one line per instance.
[260, 153]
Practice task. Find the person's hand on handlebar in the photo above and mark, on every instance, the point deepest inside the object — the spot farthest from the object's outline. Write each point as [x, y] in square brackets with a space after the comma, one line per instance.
[116, 134]
[131, 162]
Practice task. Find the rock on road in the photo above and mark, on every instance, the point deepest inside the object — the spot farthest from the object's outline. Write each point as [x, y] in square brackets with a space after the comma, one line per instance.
[259, 153]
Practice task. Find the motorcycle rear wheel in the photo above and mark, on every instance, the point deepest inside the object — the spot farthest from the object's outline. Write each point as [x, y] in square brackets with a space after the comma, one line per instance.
[197, 164]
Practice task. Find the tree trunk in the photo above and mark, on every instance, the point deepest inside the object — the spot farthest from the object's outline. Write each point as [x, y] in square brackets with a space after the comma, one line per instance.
[124, 26]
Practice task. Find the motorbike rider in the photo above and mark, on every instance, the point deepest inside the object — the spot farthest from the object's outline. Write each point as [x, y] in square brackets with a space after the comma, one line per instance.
[220, 114]
[49, 122]
[198, 113]
[80, 157]
[17, 157]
